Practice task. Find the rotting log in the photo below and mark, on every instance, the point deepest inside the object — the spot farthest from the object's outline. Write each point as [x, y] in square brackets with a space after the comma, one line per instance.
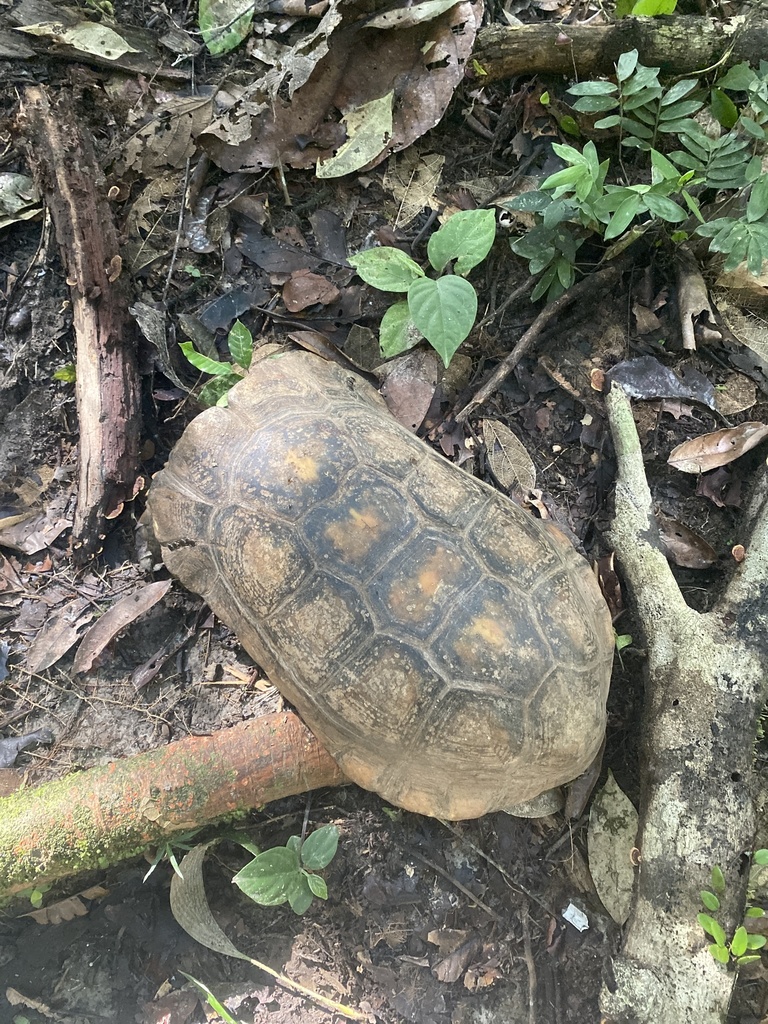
[706, 683]
[63, 160]
[678, 45]
[103, 815]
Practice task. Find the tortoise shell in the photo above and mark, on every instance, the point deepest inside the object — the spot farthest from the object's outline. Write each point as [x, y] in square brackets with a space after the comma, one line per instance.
[451, 652]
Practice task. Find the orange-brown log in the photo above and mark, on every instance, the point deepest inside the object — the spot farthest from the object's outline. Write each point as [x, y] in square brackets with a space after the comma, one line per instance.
[106, 814]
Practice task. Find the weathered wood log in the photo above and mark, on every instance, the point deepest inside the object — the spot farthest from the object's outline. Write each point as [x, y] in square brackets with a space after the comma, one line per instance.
[64, 164]
[678, 45]
[104, 815]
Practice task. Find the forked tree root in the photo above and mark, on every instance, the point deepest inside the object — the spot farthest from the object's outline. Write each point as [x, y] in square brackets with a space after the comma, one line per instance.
[705, 688]
[104, 815]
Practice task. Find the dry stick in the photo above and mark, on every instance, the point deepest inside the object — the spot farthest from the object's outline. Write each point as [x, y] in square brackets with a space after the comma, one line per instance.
[529, 963]
[107, 814]
[107, 390]
[600, 279]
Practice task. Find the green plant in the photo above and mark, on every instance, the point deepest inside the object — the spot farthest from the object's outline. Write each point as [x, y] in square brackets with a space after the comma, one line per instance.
[741, 946]
[441, 309]
[286, 874]
[167, 851]
[225, 375]
[575, 202]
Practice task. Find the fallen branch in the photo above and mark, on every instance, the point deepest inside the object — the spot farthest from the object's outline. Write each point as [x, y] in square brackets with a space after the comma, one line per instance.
[104, 815]
[678, 45]
[706, 685]
[68, 176]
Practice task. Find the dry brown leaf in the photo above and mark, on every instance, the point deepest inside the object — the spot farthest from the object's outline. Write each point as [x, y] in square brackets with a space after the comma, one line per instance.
[708, 451]
[120, 615]
[683, 546]
[408, 385]
[64, 910]
[507, 456]
[304, 288]
[60, 632]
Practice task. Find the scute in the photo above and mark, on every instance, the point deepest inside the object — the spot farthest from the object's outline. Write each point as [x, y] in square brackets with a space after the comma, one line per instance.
[452, 652]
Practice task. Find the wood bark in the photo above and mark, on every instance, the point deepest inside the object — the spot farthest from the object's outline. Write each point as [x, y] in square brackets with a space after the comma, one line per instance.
[107, 390]
[705, 688]
[103, 815]
[678, 45]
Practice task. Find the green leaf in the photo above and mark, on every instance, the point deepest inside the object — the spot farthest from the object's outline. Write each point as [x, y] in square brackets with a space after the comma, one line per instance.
[710, 901]
[300, 894]
[397, 332]
[319, 848]
[608, 122]
[386, 268]
[755, 912]
[678, 91]
[723, 108]
[665, 208]
[680, 110]
[528, 202]
[758, 199]
[368, 128]
[240, 342]
[712, 927]
[569, 126]
[720, 953]
[623, 216]
[738, 78]
[294, 844]
[318, 886]
[269, 877]
[444, 311]
[653, 8]
[754, 169]
[224, 24]
[626, 64]
[760, 857]
[592, 89]
[201, 362]
[739, 941]
[754, 129]
[569, 154]
[568, 176]
[755, 941]
[693, 206]
[662, 167]
[547, 283]
[749, 959]
[595, 104]
[66, 374]
[466, 237]
[215, 391]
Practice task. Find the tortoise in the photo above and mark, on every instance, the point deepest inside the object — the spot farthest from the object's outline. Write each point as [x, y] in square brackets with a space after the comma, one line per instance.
[452, 652]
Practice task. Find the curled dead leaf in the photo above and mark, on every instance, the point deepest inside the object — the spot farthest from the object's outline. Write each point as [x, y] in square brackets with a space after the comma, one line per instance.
[708, 451]
[683, 546]
[507, 456]
[121, 614]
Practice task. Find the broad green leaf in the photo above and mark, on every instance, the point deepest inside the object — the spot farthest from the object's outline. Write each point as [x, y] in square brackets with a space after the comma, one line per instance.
[369, 128]
[444, 311]
[738, 78]
[568, 153]
[595, 104]
[541, 262]
[623, 216]
[299, 894]
[318, 886]
[693, 206]
[528, 202]
[592, 89]
[712, 927]
[754, 129]
[568, 176]
[681, 109]
[755, 912]
[754, 169]
[569, 126]
[626, 64]
[294, 844]
[723, 108]
[750, 958]
[642, 98]
[386, 268]
[662, 167]
[678, 91]
[662, 206]
[710, 901]
[636, 128]
[466, 237]
[739, 941]
[224, 24]
[240, 342]
[754, 257]
[653, 8]
[269, 877]
[201, 362]
[720, 953]
[216, 390]
[760, 857]
[758, 199]
[608, 122]
[756, 941]
[319, 848]
[397, 332]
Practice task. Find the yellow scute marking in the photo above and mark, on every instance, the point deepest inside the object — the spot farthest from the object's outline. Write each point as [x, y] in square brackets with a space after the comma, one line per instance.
[488, 630]
[441, 567]
[304, 466]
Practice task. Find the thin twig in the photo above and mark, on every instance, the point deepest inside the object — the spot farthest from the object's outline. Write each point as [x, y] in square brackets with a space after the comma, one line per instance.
[529, 963]
[462, 888]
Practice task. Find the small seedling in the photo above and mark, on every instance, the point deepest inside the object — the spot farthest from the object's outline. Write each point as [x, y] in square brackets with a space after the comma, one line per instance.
[740, 949]
[225, 375]
[167, 851]
[441, 309]
[286, 874]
